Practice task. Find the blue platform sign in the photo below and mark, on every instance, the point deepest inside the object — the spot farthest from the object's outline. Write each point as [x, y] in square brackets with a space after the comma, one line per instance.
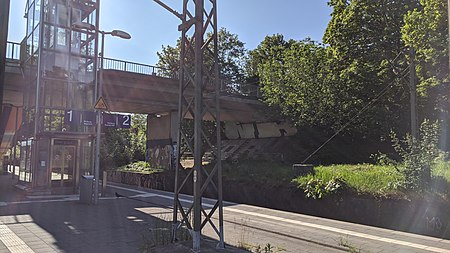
[124, 120]
[109, 120]
[88, 118]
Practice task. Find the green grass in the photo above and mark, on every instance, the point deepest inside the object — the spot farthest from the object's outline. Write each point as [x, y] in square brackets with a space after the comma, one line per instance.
[364, 178]
[441, 169]
[139, 167]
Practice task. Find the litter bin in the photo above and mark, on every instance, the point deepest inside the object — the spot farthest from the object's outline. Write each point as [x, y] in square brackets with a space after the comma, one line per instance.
[86, 189]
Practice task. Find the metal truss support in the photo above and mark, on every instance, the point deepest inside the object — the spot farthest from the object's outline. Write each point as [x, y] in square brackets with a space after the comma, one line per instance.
[199, 72]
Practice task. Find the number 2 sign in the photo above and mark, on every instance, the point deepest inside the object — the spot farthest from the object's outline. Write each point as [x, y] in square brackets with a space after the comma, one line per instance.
[124, 121]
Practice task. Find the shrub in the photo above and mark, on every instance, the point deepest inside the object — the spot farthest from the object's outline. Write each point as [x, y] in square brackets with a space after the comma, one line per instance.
[418, 155]
[316, 188]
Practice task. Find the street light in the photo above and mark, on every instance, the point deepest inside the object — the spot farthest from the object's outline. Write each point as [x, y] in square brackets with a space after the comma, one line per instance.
[115, 33]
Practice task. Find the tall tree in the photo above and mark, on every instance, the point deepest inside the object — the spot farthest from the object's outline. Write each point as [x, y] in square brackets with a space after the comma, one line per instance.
[426, 30]
[232, 59]
[293, 76]
[365, 52]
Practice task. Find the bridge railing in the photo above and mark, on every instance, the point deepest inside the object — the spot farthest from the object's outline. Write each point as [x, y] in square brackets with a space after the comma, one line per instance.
[12, 50]
[134, 67]
[246, 90]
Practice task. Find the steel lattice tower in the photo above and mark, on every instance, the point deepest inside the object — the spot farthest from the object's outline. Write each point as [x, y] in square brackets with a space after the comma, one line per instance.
[199, 46]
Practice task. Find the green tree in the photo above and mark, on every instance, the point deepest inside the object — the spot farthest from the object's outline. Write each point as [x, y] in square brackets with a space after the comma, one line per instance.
[364, 43]
[293, 76]
[426, 30]
[123, 146]
[232, 59]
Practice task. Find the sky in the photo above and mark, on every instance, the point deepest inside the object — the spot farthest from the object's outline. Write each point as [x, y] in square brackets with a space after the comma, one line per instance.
[151, 26]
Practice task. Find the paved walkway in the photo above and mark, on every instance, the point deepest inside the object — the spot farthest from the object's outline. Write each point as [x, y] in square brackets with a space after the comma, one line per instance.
[63, 224]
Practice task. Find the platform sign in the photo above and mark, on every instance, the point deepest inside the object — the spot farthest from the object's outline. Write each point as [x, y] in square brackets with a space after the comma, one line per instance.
[124, 120]
[109, 120]
[88, 118]
[72, 117]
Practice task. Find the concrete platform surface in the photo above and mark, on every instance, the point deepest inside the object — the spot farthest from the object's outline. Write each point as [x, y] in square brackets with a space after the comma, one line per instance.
[127, 224]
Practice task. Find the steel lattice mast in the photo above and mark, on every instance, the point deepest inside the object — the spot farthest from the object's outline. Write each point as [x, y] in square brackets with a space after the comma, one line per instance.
[199, 44]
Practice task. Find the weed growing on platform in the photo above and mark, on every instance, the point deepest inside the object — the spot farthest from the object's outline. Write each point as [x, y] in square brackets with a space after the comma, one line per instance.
[160, 234]
[344, 242]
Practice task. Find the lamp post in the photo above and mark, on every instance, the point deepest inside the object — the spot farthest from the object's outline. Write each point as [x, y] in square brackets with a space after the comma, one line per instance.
[114, 33]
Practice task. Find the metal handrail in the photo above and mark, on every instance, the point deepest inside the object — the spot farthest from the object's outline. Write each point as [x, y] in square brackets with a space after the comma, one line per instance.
[145, 69]
[12, 50]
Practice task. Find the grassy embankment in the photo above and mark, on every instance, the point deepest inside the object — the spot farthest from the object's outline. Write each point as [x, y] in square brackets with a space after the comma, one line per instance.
[361, 178]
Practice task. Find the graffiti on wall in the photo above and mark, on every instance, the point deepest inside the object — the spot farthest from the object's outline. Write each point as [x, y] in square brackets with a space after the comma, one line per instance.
[160, 157]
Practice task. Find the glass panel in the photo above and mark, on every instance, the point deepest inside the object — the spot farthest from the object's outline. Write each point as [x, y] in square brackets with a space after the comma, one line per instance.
[76, 15]
[76, 42]
[55, 94]
[25, 161]
[55, 65]
[37, 13]
[29, 46]
[62, 15]
[63, 165]
[53, 120]
[83, 96]
[30, 18]
[35, 40]
[61, 39]
[49, 39]
[50, 13]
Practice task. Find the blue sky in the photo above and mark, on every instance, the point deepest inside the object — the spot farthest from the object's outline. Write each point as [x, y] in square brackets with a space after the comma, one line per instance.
[151, 26]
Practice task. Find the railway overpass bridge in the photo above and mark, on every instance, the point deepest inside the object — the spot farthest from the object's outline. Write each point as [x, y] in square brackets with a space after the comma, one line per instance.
[131, 88]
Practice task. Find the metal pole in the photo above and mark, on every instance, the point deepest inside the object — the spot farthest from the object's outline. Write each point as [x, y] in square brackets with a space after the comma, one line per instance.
[99, 124]
[221, 244]
[180, 122]
[198, 121]
[15, 143]
[4, 17]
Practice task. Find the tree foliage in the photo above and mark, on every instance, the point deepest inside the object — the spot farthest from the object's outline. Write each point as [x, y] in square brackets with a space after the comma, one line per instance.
[232, 58]
[293, 75]
[426, 30]
[358, 70]
[366, 57]
[123, 146]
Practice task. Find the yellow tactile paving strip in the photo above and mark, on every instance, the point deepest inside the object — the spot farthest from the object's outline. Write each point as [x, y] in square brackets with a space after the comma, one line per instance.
[12, 241]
